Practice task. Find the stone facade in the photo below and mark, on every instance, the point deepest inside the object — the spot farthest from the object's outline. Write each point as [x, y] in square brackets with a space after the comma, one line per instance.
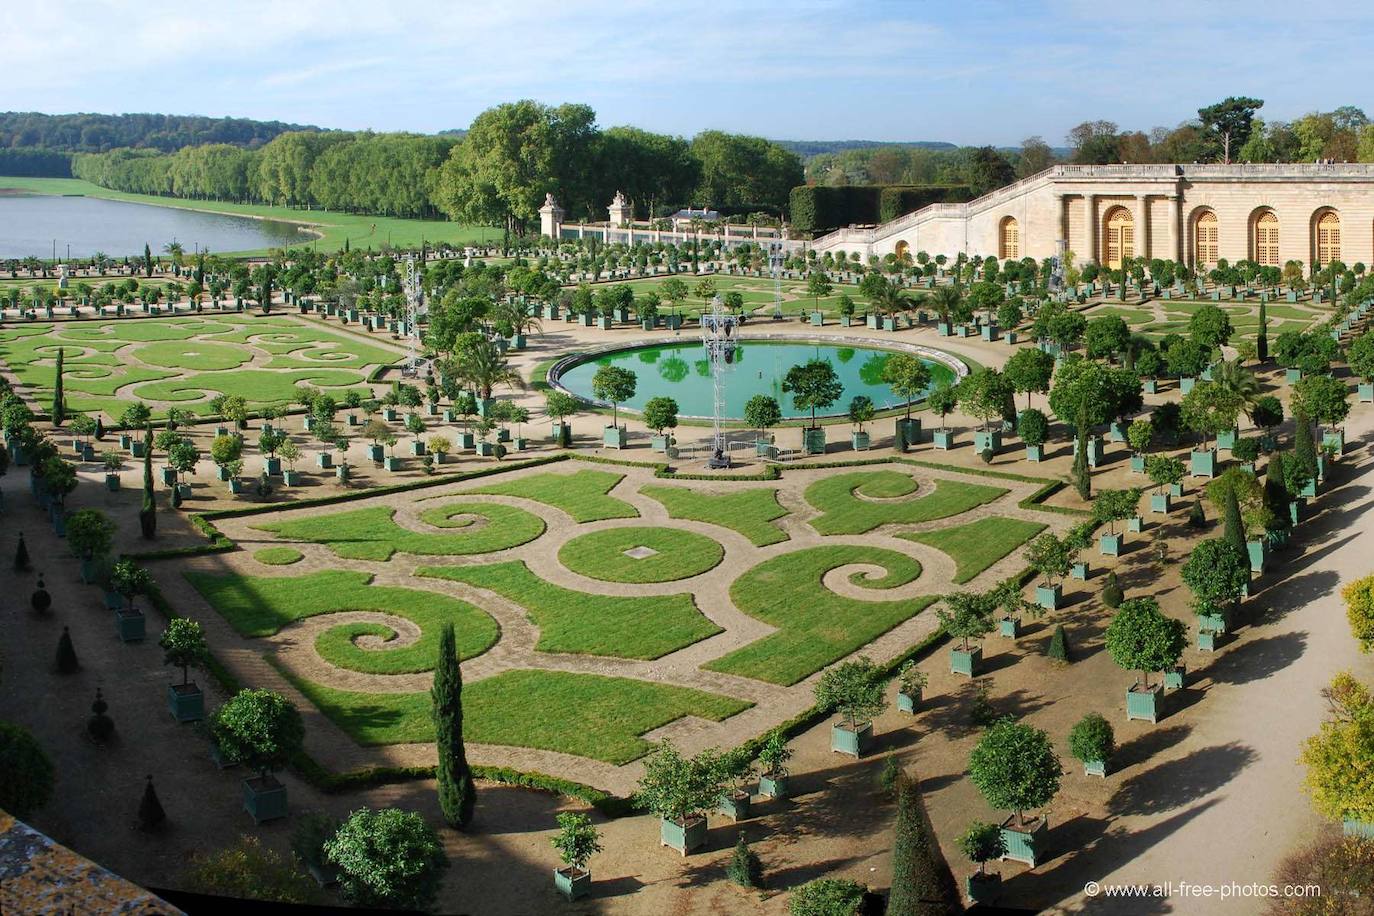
[1307, 212]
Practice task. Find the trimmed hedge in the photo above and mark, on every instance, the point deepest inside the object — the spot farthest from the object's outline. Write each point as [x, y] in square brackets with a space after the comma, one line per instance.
[816, 208]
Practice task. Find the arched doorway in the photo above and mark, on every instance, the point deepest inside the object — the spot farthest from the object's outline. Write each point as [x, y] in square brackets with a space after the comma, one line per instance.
[1328, 233]
[1205, 248]
[1267, 239]
[902, 253]
[1119, 237]
[1009, 239]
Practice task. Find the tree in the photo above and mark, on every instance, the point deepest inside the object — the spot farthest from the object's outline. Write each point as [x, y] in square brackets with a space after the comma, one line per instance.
[1229, 122]
[1106, 336]
[854, 689]
[812, 385]
[942, 400]
[907, 375]
[28, 781]
[90, 533]
[388, 858]
[969, 615]
[984, 395]
[1304, 448]
[1233, 526]
[59, 404]
[1262, 334]
[1082, 386]
[676, 788]
[1032, 426]
[1049, 556]
[1112, 506]
[744, 867]
[922, 884]
[1091, 739]
[260, 728]
[1080, 474]
[1029, 370]
[183, 645]
[1140, 637]
[1112, 595]
[1359, 610]
[1337, 757]
[818, 286]
[660, 413]
[225, 450]
[1014, 767]
[762, 412]
[457, 792]
[129, 579]
[1217, 575]
[1139, 435]
[982, 843]
[1209, 409]
[577, 839]
[614, 384]
[1322, 398]
[1360, 356]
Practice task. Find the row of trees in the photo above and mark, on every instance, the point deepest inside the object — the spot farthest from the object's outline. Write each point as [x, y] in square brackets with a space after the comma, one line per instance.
[512, 155]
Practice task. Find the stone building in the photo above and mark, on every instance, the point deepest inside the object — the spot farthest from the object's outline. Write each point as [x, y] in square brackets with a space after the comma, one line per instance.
[1269, 213]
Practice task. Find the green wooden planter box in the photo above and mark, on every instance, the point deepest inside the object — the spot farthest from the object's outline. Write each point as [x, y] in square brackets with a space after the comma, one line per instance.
[1352, 827]
[613, 436]
[1049, 596]
[965, 662]
[273, 466]
[1009, 627]
[813, 440]
[376, 453]
[817, 319]
[186, 702]
[1336, 440]
[773, 786]
[1366, 392]
[391, 463]
[1095, 768]
[735, 805]
[1295, 510]
[1227, 439]
[1208, 641]
[988, 332]
[1079, 571]
[324, 460]
[1095, 450]
[1143, 703]
[1035, 453]
[1110, 545]
[291, 478]
[1203, 463]
[1309, 490]
[112, 482]
[1175, 677]
[342, 472]
[982, 441]
[136, 448]
[1175, 490]
[1115, 433]
[1292, 376]
[129, 625]
[417, 449]
[1025, 844]
[572, 883]
[1138, 464]
[907, 702]
[1259, 553]
[683, 837]
[942, 439]
[1186, 383]
[1150, 386]
[983, 889]
[844, 740]
[264, 798]
[859, 441]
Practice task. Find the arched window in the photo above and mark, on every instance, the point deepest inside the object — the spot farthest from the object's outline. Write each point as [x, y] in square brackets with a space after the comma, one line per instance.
[1205, 239]
[1267, 239]
[1009, 243]
[1328, 238]
[1120, 236]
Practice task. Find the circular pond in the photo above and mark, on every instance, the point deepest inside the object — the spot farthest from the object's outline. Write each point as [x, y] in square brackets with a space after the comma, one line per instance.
[679, 370]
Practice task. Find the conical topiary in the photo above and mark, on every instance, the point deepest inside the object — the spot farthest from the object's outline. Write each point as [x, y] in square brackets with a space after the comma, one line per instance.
[922, 883]
[21, 555]
[40, 600]
[99, 726]
[1196, 517]
[1058, 648]
[150, 813]
[1112, 595]
[67, 662]
[744, 869]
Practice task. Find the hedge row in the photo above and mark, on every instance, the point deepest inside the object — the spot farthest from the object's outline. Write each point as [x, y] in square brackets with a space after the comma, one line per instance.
[820, 209]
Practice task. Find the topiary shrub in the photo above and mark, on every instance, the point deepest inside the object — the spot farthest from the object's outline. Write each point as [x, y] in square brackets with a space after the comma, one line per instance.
[826, 897]
[889, 774]
[1112, 596]
[28, 780]
[100, 726]
[1196, 517]
[1092, 739]
[67, 662]
[1058, 647]
[388, 858]
[981, 711]
[744, 869]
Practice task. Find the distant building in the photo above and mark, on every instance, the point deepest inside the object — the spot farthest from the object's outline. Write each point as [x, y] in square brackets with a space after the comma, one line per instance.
[687, 215]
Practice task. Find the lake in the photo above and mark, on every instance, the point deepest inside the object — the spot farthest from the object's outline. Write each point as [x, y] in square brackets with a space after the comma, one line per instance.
[30, 223]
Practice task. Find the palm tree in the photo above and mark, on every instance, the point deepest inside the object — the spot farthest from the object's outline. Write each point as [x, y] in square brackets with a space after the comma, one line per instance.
[174, 249]
[513, 314]
[1229, 375]
[482, 365]
[945, 299]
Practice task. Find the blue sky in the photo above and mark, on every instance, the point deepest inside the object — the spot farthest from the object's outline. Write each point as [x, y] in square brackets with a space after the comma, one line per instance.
[971, 71]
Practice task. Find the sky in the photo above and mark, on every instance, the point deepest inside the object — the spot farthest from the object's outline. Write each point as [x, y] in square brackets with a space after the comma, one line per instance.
[967, 72]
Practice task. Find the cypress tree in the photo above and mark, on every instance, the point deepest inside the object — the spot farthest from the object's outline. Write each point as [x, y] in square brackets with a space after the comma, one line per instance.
[150, 813]
[1304, 448]
[59, 404]
[1276, 495]
[922, 884]
[21, 555]
[67, 662]
[1058, 648]
[457, 794]
[1262, 339]
[1233, 530]
[744, 869]
[1080, 475]
[147, 516]
[147, 267]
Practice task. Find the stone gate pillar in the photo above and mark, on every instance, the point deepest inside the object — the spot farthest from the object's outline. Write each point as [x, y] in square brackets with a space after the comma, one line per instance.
[551, 218]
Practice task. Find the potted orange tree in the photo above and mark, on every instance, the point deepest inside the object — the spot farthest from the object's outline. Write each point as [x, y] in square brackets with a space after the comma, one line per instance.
[1092, 741]
[183, 645]
[855, 690]
[678, 790]
[262, 730]
[773, 757]
[969, 617]
[1142, 638]
[982, 843]
[577, 841]
[1015, 768]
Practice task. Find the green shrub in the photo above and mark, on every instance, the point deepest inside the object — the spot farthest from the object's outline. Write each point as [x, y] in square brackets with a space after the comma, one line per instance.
[1058, 648]
[248, 871]
[28, 780]
[1196, 517]
[744, 869]
[1112, 596]
[889, 774]
[388, 858]
[826, 897]
[1092, 738]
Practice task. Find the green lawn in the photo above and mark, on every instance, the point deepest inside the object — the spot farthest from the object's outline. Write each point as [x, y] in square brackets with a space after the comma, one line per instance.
[278, 556]
[581, 494]
[977, 545]
[361, 231]
[185, 360]
[589, 715]
[678, 554]
[883, 501]
[262, 606]
[372, 534]
[815, 626]
[750, 512]
[584, 624]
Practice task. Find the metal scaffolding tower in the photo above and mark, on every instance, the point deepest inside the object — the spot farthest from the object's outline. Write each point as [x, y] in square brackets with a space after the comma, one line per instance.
[719, 334]
[776, 256]
[414, 302]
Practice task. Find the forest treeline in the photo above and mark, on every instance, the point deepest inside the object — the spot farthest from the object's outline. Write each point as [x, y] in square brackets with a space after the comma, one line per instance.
[497, 173]
[98, 133]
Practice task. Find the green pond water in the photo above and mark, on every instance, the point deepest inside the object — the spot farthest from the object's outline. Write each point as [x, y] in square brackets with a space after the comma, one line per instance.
[680, 371]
